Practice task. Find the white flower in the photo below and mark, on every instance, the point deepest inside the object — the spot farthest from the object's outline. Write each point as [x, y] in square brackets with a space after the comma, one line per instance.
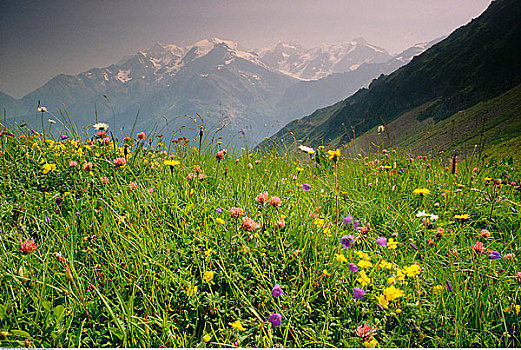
[101, 126]
[51, 121]
[381, 128]
[421, 214]
[42, 109]
[306, 149]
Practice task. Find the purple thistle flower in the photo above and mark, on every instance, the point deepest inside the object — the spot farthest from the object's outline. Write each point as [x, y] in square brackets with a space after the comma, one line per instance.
[381, 241]
[306, 186]
[347, 220]
[64, 137]
[449, 286]
[347, 241]
[219, 211]
[358, 293]
[275, 319]
[356, 225]
[494, 255]
[276, 291]
[353, 267]
[412, 245]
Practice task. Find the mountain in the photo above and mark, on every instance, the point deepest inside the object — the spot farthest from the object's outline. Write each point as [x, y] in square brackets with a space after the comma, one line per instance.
[315, 63]
[477, 62]
[249, 94]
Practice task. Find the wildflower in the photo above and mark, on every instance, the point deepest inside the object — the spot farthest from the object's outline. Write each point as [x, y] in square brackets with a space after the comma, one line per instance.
[249, 224]
[262, 198]
[364, 264]
[171, 163]
[133, 185]
[191, 291]
[207, 338]
[386, 265]
[340, 258]
[363, 279]
[412, 270]
[141, 135]
[381, 241]
[119, 161]
[365, 332]
[347, 241]
[208, 276]
[347, 220]
[353, 267]
[509, 256]
[391, 244]
[358, 293]
[48, 168]
[280, 224]
[306, 186]
[235, 212]
[392, 293]
[220, 221]
[381, 128]
[421, 191]
[104, 180]
[237, 325]
[325, 273]
[449, 286]
[356, 225]
[87, 166]
[382, 301]
[63, 137]
[334, 155]
[371, 344]
[275, 201]
[27, 246]
[462, 217]
[494, 255]
[438, 289]
[479, 247]
[398, 311]
[220, 155]
[484, 233]
[413, 246]
[306, 149]
[275, 319]
[42, 109]
[219, 211]
[101, 126]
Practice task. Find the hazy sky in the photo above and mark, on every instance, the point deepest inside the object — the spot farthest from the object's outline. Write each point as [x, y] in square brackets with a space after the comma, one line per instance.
[42, 38]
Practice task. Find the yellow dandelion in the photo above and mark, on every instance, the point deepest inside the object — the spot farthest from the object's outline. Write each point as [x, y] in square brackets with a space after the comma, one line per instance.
[421, 191]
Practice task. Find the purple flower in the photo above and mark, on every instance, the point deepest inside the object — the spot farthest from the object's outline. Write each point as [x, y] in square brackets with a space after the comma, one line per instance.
[34, 131]
[347, 220]
[275, 319]
[402, 170]
[7, 133]
[358, 293]
[353, 267]
[412, 245]
[347, 241]
[64, 137]
[47, 219]
[449, 286]
[494, 255]
[219, 211]
[276, 291]
[356, 225]
[381, 241]
[306, 186]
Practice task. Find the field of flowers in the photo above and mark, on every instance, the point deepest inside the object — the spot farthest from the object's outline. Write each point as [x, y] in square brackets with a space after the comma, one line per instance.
[149, 242]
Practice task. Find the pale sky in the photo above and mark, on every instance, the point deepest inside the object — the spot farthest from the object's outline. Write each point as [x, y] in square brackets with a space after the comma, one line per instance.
[42, 38]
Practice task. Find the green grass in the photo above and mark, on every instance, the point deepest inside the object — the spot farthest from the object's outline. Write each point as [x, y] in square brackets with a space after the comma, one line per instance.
[132, 257]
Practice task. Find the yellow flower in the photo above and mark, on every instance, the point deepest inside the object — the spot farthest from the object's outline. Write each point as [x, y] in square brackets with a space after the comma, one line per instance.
[237, 325]
[340, 258]
[386, 265]
[172, 162]
[363, 279]
[438, 289]
[364, 264]
[400, 275]
[462, 217]
[392, 293]
[48, 168]
[208, 276]
[371, 344]
[319, 222]
[334, 155]
[220, 221]
[391, 244]
[191, 291]
[363, 255]
[326, 273]
[421, 191]
[398, 311]
[299, 169]
[207, 338]
[391, 280]
[412, 270]
[208, 252]
[320, 147]
[382, 301]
